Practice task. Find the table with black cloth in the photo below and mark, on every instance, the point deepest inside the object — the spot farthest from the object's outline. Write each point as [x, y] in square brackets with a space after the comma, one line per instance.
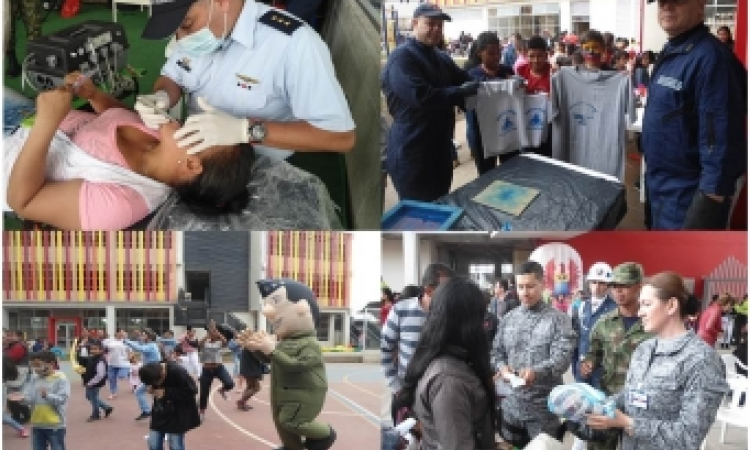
[570, 198]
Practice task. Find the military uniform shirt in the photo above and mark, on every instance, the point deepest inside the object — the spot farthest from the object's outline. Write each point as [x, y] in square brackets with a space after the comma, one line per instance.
[280, 71]
[540, 338]
[684, 381]
[611, 348]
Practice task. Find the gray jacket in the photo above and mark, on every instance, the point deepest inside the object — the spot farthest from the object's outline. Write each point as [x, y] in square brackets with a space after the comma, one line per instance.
[47, 412]
[452, 408]
[540, 338]
[684, 381]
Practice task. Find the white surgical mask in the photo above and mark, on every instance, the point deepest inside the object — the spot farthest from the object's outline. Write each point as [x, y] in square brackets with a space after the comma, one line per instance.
[203, 42]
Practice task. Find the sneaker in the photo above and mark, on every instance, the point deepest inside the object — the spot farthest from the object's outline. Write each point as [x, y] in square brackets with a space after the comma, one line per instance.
[93, 419]
[112, 396]
[203, 415]
[144, 415]
[108, 411]
[224, 394]
[23, 433]
[243, 407]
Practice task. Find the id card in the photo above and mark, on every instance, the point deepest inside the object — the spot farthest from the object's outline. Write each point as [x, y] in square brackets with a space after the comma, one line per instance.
[639, 399]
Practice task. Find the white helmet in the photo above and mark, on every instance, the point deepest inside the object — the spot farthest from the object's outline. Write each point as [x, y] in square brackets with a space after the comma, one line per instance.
[600, 272]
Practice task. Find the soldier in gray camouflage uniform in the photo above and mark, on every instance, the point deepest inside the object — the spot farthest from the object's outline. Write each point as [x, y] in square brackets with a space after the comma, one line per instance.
[675, 383]
[534, 341]
[615, 337]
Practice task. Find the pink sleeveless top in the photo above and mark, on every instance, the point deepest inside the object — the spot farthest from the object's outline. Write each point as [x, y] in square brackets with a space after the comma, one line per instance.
[105, 206]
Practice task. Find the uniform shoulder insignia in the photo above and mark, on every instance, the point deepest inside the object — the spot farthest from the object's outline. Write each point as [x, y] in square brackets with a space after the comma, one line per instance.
[281, 22]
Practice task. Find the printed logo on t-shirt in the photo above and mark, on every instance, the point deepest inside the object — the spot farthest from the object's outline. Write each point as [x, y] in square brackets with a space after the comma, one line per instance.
[534, 119]
[669, 82]
[582, 113]
[507, 122]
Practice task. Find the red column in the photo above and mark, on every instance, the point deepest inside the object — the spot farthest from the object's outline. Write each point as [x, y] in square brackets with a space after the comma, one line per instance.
[739, 216]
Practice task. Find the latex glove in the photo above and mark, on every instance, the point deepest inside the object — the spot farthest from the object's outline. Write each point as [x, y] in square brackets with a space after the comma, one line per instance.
[704, 213]
[211, 127]
[262, 342]
[469, 88]
[153, 109]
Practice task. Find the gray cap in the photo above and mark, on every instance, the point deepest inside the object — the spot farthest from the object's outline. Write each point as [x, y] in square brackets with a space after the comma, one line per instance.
[627, 273]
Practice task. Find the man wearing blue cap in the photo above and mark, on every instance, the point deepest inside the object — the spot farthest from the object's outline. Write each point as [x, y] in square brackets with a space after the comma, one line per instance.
[422, 87]
[694, 127]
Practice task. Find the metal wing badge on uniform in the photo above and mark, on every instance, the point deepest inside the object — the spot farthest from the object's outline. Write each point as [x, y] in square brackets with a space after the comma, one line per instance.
[245, 82]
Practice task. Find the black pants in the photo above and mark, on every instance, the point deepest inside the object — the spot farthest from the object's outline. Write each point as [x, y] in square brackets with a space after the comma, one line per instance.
[207, 378]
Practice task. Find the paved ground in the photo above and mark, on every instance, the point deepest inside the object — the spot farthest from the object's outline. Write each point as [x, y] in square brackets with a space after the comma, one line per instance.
[352, 408]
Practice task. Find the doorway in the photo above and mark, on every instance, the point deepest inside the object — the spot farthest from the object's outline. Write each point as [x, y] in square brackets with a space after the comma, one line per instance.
[64, 330]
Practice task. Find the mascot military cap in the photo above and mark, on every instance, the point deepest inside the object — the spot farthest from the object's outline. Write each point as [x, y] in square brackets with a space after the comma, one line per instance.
[295, 291]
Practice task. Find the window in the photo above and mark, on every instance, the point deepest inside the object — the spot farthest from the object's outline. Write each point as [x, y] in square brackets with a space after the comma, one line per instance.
[137, 319]
[322, 329]
[198, 285]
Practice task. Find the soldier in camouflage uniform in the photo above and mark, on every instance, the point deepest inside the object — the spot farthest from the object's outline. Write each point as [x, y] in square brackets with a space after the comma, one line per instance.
[615, 337]
[535, 342]
[675, 382]
[31, 14]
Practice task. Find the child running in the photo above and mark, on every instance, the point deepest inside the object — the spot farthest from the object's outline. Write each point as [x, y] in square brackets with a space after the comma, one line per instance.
[135, 366]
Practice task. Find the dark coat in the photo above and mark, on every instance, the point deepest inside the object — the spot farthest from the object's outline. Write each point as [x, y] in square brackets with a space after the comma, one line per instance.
[177, 411]
[250, 365]
[90, 372]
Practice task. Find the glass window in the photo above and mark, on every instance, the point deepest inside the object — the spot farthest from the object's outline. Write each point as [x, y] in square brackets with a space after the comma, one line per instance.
[325, 318]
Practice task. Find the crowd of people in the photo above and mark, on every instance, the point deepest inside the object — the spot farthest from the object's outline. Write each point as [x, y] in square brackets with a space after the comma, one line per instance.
[465, 367]
[177, 373]
[694, 144]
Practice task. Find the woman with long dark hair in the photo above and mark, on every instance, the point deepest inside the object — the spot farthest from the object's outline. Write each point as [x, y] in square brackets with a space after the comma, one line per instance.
[448, 383]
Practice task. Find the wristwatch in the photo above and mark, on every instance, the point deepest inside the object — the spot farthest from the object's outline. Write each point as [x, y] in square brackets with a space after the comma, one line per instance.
[257, 131]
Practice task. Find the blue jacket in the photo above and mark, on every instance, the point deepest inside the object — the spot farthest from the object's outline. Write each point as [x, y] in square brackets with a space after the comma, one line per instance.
[694, 125]
[583, 322]
[421, 87]
[149, 350]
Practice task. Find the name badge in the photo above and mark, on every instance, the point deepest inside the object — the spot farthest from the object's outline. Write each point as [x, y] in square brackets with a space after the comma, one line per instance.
[639, 399]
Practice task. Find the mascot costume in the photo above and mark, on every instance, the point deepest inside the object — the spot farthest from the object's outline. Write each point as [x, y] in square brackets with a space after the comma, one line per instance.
[298, 376]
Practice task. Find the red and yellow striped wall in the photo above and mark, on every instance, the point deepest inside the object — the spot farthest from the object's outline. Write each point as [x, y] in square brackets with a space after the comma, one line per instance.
[320, 259]
[65, 266]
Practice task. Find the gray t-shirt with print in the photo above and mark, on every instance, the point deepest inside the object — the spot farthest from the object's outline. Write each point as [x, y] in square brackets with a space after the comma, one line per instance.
[588, 118]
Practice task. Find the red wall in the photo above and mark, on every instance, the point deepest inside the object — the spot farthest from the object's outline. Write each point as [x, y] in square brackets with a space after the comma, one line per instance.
[691, 254]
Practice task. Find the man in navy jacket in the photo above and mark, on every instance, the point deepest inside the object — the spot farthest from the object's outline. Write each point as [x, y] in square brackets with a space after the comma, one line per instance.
[694, 127]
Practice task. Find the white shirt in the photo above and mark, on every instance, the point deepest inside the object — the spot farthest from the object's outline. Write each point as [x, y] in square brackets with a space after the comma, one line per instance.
[267, 74]
[118, 352]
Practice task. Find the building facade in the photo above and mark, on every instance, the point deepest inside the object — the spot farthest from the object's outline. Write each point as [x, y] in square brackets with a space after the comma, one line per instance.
[57, 282]
[323, 261]
[632, 19]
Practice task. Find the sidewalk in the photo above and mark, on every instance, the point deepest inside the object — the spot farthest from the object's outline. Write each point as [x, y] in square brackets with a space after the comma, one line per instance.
[351, 408]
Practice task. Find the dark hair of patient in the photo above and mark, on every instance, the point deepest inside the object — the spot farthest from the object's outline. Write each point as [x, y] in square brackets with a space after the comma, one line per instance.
[455, 319]
[222, 185]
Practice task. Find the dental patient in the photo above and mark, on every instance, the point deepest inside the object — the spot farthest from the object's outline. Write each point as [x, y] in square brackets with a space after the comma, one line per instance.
[107, 171]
